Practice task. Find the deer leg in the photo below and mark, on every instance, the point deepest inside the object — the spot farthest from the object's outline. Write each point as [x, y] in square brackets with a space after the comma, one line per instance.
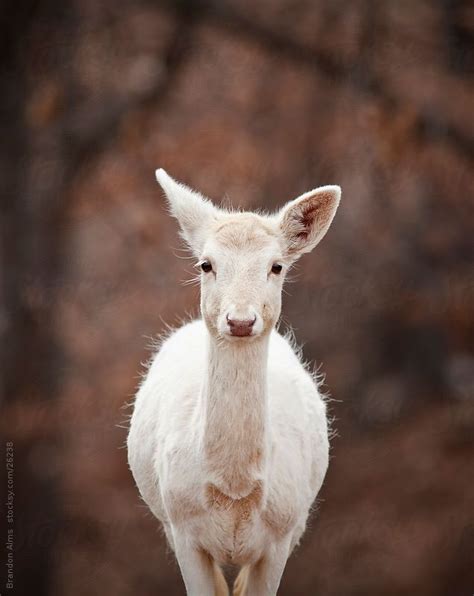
[265, 576]
[220, 585]
[195, 565]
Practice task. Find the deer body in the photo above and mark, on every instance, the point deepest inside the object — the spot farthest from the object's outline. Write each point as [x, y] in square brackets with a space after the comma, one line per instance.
[228, 440]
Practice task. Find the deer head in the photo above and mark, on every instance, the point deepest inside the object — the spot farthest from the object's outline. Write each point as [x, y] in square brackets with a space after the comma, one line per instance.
[244, 257]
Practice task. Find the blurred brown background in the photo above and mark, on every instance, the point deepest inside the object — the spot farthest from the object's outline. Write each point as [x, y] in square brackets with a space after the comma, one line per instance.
[257, 102]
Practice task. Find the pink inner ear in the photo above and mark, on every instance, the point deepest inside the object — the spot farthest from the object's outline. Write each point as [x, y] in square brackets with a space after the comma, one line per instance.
[315, 212]
[308, 215]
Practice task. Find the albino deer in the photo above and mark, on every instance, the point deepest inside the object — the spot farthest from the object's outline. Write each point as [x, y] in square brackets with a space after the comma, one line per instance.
[228, 441]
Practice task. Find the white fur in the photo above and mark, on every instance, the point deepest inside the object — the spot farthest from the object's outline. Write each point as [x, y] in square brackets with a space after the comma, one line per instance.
[228, 440]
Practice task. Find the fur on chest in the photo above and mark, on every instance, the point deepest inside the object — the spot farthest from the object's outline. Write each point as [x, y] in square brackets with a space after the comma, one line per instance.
[233, 531]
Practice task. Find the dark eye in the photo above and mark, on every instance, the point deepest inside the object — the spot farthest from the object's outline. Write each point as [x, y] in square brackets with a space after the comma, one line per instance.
[276, 268]
[206, 266]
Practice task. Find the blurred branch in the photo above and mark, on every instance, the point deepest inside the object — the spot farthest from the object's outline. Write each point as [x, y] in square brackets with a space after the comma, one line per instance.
[36, 212]
[88, 136]
[428, 126]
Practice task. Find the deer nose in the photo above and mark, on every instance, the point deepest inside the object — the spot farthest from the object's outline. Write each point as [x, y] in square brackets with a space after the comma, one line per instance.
[241, 327]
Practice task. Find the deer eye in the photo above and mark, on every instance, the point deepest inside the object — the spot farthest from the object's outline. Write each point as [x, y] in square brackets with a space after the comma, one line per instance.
[206, 266]
[276, 268]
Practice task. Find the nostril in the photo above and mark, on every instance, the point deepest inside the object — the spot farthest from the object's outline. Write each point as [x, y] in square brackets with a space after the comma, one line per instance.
[242, 324]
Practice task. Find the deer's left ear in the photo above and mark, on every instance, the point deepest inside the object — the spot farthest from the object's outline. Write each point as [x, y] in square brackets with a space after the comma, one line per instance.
[305, 220]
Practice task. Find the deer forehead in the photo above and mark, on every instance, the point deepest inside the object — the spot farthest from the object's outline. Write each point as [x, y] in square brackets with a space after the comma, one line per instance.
[245, 231]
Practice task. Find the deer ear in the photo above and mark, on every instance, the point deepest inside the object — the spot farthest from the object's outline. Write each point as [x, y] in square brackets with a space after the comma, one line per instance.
[305, 220]
[193, 212]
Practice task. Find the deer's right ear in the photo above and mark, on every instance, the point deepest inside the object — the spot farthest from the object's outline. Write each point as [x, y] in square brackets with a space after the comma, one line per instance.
[193, 212]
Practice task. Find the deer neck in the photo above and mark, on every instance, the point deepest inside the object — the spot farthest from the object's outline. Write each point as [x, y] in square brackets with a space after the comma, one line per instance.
[235, 414]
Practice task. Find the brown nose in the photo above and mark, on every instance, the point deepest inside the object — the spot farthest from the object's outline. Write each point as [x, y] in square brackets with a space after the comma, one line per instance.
[240, 328]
